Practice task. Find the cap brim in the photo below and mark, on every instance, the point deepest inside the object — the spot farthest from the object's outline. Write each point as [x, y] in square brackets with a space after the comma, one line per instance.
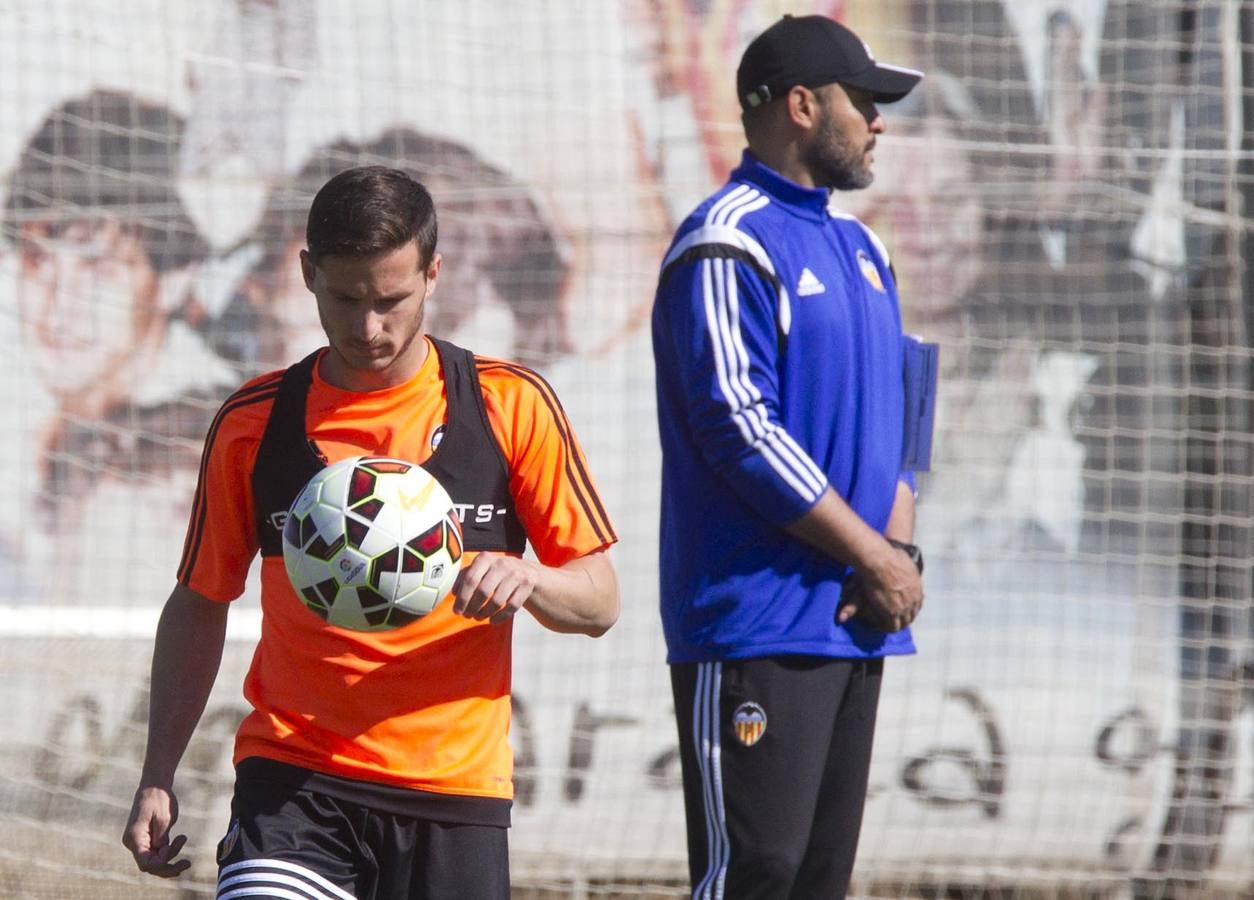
[887, 84]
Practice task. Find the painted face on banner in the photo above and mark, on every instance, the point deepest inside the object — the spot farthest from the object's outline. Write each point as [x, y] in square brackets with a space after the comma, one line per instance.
[694, 49]
[88, 296]
[926, 207]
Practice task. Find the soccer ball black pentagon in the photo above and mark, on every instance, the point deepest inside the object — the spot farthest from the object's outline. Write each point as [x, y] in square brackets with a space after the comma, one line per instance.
[372, 543]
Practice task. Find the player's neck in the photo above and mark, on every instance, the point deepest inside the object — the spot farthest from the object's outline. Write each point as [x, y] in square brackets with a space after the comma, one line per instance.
[336, 371]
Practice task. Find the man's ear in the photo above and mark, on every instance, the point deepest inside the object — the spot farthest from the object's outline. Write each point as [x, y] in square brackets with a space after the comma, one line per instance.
[803, 106]
[433, 273]
[307, 269]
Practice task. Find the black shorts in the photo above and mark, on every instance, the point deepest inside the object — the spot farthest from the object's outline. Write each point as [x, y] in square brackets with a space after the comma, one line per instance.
[775, 754]
[286, 841]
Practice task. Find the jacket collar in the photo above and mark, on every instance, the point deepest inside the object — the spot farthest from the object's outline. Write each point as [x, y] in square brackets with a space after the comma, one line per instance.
[810, 203]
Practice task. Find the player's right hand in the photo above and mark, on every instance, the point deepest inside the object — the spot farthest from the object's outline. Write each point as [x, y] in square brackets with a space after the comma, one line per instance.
[147, 833]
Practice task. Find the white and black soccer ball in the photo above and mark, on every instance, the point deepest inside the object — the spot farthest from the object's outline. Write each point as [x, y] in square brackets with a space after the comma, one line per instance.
[372, 543]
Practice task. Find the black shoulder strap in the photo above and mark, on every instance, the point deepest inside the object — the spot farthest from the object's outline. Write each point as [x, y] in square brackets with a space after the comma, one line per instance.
[286, 458]
[470, 462]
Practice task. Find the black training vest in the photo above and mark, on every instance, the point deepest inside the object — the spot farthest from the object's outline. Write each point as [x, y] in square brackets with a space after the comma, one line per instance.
[469, 462]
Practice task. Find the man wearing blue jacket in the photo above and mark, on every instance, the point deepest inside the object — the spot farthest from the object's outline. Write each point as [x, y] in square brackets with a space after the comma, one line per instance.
[787, 572]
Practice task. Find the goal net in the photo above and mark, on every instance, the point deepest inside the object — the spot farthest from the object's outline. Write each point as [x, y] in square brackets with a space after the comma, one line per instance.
[1063, 198]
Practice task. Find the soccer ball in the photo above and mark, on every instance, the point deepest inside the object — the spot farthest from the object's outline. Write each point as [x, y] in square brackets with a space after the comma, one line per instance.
[372, 543]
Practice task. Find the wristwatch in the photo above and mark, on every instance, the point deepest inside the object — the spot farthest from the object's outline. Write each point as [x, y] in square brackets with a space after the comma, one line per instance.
[911, 550]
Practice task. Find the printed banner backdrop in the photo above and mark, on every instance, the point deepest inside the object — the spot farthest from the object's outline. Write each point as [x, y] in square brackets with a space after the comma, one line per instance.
[1062, 201]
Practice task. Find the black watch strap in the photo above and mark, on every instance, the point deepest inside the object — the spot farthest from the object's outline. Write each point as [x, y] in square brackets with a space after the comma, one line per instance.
[911, 550]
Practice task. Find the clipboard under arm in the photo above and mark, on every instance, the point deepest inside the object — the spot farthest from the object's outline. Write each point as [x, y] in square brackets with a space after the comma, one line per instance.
[920, 372]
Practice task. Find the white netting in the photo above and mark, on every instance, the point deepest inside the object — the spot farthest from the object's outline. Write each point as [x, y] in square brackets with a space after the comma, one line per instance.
[1063, 201]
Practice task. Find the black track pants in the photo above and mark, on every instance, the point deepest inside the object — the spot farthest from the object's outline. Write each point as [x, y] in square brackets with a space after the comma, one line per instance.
[775, 755]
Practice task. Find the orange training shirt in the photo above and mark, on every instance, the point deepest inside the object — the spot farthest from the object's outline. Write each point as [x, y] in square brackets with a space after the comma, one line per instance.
[425, 706]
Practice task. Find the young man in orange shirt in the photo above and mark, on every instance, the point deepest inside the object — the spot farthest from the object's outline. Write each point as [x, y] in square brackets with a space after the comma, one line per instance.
[373, 764]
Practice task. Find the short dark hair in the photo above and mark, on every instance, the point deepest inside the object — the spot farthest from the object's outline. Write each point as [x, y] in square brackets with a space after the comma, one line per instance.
[368, 210]
[485, 210]
[107, 153]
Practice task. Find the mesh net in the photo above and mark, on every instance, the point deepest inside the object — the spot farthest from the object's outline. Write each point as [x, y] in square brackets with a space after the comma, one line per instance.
[1063, 199]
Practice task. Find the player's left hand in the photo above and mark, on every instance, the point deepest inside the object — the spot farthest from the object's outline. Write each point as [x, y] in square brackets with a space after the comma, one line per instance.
[494, 587]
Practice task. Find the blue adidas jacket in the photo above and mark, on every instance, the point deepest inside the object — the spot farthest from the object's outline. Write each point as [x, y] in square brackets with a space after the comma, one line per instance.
[778, 350]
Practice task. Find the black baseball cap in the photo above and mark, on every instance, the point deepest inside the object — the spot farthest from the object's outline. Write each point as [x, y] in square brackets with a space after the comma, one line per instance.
[813, 51]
